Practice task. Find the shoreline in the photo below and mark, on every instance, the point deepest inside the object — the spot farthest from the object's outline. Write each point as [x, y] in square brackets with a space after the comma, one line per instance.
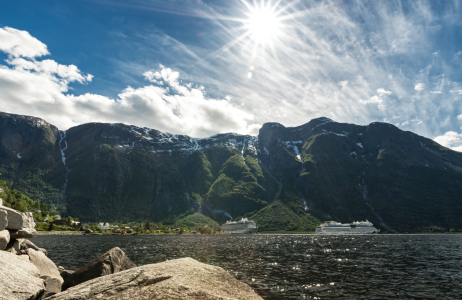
[59, 233]
[259, 233]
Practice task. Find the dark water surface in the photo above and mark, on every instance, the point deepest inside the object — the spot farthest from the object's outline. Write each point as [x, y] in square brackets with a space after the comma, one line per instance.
[296, 266]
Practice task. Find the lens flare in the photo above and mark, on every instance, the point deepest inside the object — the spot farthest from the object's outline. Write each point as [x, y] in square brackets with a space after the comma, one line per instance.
[263, 24]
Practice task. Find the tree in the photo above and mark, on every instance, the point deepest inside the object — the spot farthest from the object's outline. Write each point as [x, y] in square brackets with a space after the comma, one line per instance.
[147, 227]
[43, 207]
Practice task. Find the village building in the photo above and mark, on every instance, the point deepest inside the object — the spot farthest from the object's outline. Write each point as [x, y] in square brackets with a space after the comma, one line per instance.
[103, 226]
[60, 222]
[75, 223]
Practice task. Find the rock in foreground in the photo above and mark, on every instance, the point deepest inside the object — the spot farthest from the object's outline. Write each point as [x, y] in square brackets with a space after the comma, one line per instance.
[45, 266]
[183, 278]
[110, 262]
[19, 278]
[18, 220]
[4, 239]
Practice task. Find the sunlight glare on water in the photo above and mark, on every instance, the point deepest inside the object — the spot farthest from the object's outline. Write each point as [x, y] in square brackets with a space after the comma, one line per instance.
[296, 266]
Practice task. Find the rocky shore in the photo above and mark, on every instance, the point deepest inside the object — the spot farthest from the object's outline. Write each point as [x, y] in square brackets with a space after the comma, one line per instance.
[27, 273]
[60, 233]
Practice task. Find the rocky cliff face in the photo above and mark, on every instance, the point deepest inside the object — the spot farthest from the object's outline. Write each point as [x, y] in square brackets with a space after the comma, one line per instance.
[330, 170]
[30, 158]
[346, 172]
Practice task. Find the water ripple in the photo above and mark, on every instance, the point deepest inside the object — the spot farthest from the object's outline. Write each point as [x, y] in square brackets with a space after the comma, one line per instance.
[297, 266]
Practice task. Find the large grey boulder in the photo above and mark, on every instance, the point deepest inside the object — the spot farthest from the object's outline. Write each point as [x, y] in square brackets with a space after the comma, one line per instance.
[110, 262]
[18, 220]
[4, 239]
[25, 233]
[3, 219]
[183, 278]
[45, 266]
[28, 244]
[19, 278]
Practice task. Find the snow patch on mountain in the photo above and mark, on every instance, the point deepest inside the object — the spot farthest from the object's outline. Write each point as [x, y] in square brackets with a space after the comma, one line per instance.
[324, 121]
[291, 145]
[338, 134]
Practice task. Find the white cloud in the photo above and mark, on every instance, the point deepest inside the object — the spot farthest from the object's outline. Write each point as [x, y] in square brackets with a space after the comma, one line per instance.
[374, 99]
[450, 139]
[19, 43]
[50, 68]
[459, 117]
[419, 87]
[377, 99]
[170, 77]
[32, 87]
[343, 83]
[382, 91]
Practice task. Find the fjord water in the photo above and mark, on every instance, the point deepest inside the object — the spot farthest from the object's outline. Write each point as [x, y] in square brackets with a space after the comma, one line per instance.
[296, 266]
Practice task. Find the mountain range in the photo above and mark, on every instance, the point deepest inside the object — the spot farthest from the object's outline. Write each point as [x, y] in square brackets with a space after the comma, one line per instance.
[286, 178]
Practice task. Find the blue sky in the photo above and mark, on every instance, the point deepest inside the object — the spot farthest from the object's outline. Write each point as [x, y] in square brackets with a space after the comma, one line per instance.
[197, 68]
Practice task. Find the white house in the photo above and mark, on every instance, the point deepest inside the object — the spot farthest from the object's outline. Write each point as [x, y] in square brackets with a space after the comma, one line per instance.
[103, 226]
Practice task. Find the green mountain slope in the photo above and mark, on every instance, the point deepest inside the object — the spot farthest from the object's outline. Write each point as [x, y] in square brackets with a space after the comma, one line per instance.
[285, 179]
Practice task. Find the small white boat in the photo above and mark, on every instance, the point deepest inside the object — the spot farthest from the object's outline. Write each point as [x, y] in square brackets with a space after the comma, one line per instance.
[240, 227]
[332, 227]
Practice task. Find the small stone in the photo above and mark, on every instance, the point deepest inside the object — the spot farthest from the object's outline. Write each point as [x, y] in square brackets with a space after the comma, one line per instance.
[24, 257]
[4, 239]
[3, 220]
[52, 287]
[28, 244]
[44, 251]
[14, 246]
[65, 273]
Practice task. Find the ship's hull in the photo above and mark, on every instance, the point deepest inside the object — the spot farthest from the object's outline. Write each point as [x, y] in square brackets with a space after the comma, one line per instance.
[242, 231]
[348, 231]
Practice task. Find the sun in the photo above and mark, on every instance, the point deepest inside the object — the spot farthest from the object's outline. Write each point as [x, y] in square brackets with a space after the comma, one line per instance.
[263, 24]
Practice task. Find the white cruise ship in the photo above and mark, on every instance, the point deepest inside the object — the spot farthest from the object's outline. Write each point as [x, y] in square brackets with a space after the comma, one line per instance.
[240, 227]
[332, 227]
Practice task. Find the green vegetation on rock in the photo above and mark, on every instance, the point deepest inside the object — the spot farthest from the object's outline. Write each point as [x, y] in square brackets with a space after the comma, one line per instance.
[197, 220]
[278, 216]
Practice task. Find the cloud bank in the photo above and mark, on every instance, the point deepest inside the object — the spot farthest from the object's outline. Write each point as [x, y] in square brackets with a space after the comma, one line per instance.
[39, 88]
[451, 139]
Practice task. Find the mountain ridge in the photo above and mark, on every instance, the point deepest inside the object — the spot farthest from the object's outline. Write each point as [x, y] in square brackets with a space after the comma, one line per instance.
[320, 169]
